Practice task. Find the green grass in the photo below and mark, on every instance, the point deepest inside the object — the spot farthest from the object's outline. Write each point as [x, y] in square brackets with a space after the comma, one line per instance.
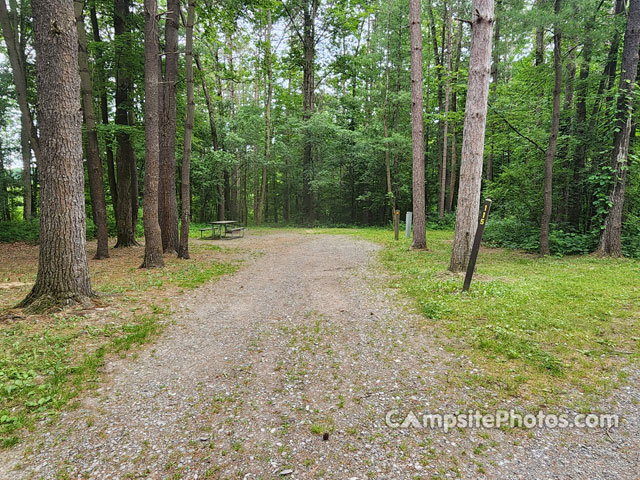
[197, 274]
[46, 364]
[541, 328]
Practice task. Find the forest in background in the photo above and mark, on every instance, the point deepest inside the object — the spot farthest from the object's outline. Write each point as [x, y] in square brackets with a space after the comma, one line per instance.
[303, 108]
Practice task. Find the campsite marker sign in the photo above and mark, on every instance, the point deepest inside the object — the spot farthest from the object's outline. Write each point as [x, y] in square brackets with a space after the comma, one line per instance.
[484, 215]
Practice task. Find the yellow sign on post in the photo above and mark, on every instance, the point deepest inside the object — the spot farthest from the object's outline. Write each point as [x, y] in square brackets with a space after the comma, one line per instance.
[396, 224]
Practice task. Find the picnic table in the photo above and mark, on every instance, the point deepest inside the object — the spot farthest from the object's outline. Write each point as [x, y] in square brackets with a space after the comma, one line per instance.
[227, 226]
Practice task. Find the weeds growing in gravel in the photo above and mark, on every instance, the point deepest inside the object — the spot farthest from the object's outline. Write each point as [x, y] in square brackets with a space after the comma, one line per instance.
[538, 328]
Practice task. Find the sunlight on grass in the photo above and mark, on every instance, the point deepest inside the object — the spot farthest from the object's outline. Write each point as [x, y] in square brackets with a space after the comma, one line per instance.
[539, 326]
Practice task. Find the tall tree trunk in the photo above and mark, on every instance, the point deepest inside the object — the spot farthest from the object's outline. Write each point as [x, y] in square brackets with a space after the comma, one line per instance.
[417, 127]
[310, 9]
[29, 138]
[475, 119]
[104, 110]
[124, 153]
[168, 205]
[494, 85]
[152, 235]
[385, 120]
[63, 270]
[94, 163]
[553, 138]
[445, 131]
[214, 135]
[25, 147]
[454, 139]
[5, 213]
[576, 190]
[183, 250]
[267, 131]
[611, 239]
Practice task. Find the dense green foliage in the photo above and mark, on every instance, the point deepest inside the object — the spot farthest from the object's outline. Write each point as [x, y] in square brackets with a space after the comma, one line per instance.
[361, 113]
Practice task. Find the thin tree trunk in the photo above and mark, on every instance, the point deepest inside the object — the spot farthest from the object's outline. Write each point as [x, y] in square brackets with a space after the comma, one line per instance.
[310, 9]
[25, 145]
[152, 235]
[168, 205]
[576, 190]
[611, 239]
[29, 139]
[63, 270]
[553, 139]
[417, 127]
[445, 134]
[267, 131]
[104, 110]
[94, 163]
[183, 250]
[494, 85]
[124, 153]
[454, 139]
[385, 120]
[475, 119]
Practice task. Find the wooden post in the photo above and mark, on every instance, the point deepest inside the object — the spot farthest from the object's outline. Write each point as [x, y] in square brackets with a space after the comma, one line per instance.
[476, 244]
[396, 223]
[407, 228]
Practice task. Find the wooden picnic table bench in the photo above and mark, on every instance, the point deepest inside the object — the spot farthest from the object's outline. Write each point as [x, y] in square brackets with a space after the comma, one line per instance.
[230, 229]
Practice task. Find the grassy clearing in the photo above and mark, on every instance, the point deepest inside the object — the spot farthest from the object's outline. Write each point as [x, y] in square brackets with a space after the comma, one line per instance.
[48, 360]
[543, 329]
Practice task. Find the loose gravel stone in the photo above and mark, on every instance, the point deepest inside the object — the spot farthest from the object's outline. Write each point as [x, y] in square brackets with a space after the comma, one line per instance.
[303, 342]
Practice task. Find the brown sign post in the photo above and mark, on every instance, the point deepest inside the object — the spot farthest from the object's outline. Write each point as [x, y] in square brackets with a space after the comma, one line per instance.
[484, 215]
[396, 223]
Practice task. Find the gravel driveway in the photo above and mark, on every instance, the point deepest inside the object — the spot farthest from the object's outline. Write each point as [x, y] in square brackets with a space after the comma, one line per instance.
[287, 370]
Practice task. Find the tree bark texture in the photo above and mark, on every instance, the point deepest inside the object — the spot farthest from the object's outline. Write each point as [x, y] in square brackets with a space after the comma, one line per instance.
[417, 127]
[168, 204]
[29, 137]
[553, 139]
[183, 249]
[94, 163]
[152, 236]
[63, 271]
[611, 239]
[124, 152]
[475, 119]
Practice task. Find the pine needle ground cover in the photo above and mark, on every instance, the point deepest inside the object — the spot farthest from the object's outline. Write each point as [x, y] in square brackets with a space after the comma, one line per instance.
[547, 330]
[47, 360]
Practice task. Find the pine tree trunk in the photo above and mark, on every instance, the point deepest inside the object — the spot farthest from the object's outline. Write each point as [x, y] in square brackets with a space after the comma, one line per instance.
[454, 108]
[104, 110]
[576, 189]
[310, 9]
[553, 140]
[29, 138]
[124, 152]
[262, 202]
[611, 239]
[495, 66]
[417, 127]
[475, 119]
[385, 120]
[152, 235]
[63, 271]
[183, 250]
[94, 163]
[168, 203]
[445, 132]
